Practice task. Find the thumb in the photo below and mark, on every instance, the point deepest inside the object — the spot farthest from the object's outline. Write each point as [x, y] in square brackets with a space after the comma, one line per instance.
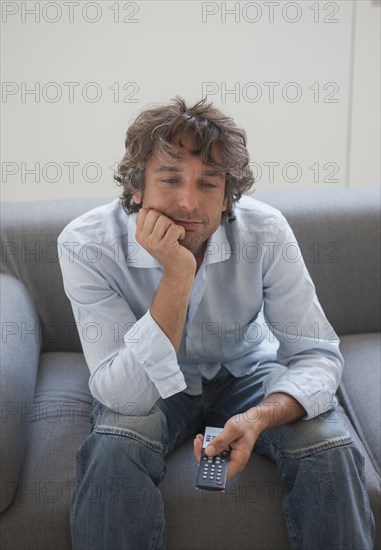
[181, 236]
[220, 443]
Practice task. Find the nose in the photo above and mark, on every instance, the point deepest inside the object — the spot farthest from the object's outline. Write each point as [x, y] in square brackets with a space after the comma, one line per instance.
[188, 198]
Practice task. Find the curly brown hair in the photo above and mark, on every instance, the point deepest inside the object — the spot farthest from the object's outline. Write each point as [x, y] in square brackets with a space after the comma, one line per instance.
[155, 129]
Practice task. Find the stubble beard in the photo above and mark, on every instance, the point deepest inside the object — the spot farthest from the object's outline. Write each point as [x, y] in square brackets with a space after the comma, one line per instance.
[194, 243]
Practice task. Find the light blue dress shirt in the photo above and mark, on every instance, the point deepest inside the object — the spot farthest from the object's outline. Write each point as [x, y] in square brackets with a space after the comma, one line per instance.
[252, 300]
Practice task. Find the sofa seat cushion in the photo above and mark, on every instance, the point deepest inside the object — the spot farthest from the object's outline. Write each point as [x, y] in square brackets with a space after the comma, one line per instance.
[58, 422]
[359, 391]
[197, 519]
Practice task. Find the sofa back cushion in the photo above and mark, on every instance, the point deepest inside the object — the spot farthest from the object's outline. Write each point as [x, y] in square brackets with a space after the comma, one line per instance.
[339, 234]
[338, 231]
[30, 253]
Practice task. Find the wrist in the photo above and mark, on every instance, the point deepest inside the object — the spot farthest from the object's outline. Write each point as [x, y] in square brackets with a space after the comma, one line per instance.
[277, 409]
[177, 279]
[256, 419]
[260, 418]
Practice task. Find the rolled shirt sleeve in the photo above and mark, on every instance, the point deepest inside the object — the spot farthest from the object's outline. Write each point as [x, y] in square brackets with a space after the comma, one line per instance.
[131, 361]
[158, 358]
[308, 344]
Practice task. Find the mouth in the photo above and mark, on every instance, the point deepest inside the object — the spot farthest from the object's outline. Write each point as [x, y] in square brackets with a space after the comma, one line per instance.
[189, 225]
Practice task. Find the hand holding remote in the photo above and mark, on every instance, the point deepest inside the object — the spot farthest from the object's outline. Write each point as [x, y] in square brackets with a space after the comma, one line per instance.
[240, 435]
[212, 470]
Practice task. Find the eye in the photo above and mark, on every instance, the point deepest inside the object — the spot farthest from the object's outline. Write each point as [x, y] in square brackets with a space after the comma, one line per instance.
[208, 185]
[170, 180]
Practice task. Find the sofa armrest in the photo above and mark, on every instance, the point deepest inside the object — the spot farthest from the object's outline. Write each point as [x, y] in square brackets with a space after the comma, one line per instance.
[20, 353]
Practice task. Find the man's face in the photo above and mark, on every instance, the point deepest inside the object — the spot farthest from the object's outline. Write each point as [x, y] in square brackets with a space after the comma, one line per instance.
[189, 192]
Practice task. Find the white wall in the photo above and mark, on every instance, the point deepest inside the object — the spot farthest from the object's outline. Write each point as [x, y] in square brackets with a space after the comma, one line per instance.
[94, 65]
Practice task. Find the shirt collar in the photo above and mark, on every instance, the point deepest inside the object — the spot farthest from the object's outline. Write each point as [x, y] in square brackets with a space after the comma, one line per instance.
[217, 249]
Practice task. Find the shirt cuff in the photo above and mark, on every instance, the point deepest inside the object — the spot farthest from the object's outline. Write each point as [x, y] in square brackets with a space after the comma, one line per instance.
[316, 399]
[155, 352]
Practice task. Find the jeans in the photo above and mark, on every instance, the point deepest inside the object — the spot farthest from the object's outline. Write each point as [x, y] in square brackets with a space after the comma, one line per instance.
[117, 504]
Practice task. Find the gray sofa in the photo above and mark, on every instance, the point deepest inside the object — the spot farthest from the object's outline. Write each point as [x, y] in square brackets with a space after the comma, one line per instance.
[46, 402]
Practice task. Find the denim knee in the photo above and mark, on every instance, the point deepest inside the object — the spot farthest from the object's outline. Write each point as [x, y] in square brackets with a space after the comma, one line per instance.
[150, 430]
[113, 458]
[121, 446]
[113, 472]
[306, 437]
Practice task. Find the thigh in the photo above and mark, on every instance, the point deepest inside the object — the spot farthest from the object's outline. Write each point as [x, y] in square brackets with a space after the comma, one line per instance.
[304, 438]
[184, 415]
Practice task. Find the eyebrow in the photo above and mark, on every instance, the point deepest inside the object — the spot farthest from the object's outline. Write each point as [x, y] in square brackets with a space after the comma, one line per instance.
[167, 169]
[208, 172]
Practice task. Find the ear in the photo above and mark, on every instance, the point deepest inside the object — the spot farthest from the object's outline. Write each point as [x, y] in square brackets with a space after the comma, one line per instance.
[138, 197]
[225, 205]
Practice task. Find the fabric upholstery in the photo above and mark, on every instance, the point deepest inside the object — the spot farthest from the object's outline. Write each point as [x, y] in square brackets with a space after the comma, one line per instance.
[339, 234]
[336, 238]
[19, 361]
[29, 253]
[58, 422]
[360, 390]
[249, 513]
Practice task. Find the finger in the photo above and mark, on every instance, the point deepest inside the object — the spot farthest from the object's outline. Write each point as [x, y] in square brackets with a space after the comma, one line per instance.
[174, 233]
[221, 442]
[237, 462]
[197, 446]
[160, 229]
[140, 219]
[233, 469]
[145, 221]
[150, 222]
[154, 224]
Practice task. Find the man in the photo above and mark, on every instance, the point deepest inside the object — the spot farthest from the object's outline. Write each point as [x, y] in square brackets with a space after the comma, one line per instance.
[195, 308]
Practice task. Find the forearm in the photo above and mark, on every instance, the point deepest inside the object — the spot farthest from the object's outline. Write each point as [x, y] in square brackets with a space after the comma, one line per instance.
[312, 380]
[277, 409]
[169, 307]
[161, 237]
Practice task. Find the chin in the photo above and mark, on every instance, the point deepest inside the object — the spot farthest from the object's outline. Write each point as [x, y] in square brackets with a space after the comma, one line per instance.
[193, 244]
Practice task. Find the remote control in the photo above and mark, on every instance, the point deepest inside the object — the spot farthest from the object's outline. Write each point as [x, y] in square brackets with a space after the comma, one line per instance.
[212, 470]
